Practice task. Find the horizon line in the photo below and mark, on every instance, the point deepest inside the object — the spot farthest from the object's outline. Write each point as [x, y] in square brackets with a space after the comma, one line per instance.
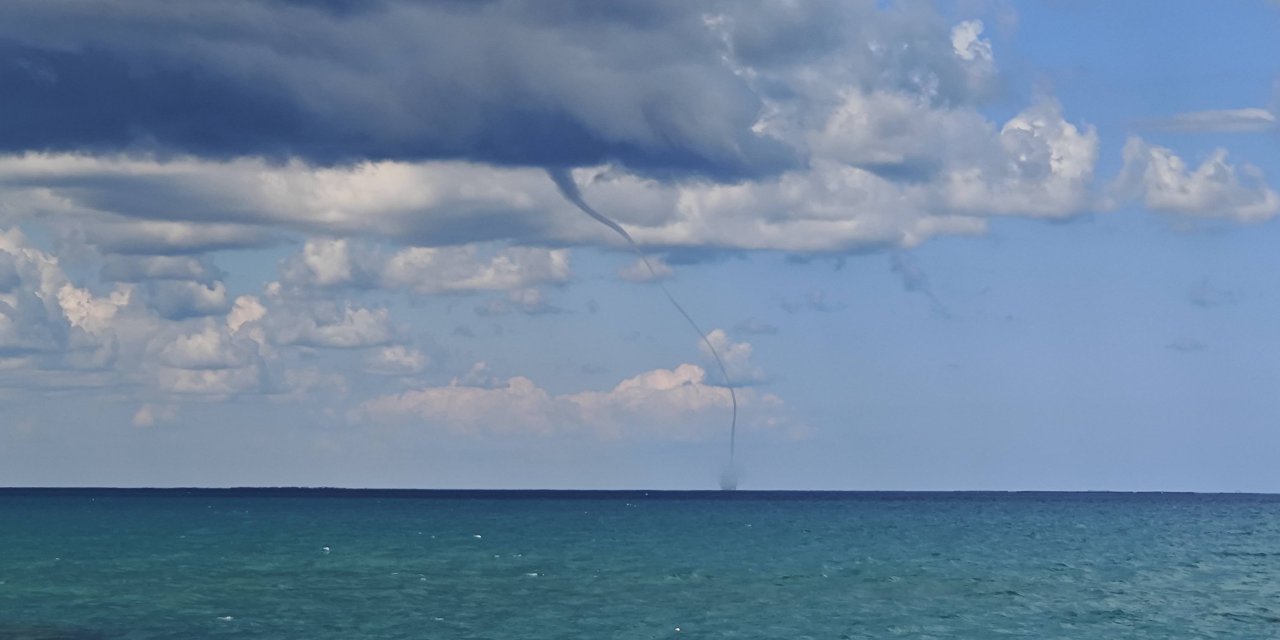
[617, 491]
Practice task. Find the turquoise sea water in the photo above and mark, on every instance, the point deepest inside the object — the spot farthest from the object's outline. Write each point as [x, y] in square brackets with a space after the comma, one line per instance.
[316, 564]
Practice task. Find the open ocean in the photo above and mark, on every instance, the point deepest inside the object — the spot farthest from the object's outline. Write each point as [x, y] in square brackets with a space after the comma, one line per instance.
[312, 564]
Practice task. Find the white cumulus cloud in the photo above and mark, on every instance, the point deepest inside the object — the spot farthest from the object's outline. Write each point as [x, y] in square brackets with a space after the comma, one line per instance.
[332, 326]
[672, 404]
[396, 360]
[149, 415]
[638, 271]
[1217, 188]
[736, 357]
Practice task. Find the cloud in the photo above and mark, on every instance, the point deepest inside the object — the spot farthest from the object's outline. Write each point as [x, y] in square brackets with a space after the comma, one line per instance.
[908, 270]
[736, 357]
[1215, 189]
[312, 383]
[1186, 345]
[10, 279]
[480, 376]
[756, 327]
[818, 127]
[328, 325]
[329, 263]
[168, 338]
[396, 360]
[110, 234]
[153, 336]
[715, 89]
[896, 135]
[249, 203]
[1040, 166]
[68, 331]
[968, 45]
[246, 310]
[668, 404]
[1205, 295]
[503, 83]
[322, 263]
[887, 169]
[120, 268]
[149, 415]
[518, 405]
[213, 347]
[1248, 120]
[41, 311]
[527, 301]
[176, 299]
[915, 280]
[427, 270]
[215, 383]
[211, 358]
[815, 128]
[638, 271]
[146, 205]
[878, 178]
[814, 300]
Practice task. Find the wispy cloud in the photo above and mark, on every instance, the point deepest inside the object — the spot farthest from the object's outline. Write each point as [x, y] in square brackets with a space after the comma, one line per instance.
[915, 280]
[756, 327]
[814, 300]
[1205, 295]
[1249, 120]
[1186, 345]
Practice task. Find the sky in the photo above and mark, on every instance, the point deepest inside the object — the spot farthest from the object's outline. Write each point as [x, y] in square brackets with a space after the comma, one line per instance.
[963, 245]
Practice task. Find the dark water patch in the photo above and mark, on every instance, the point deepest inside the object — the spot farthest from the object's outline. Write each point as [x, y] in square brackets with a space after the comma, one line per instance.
[1251, 616]
[48, 632]
[1248, 554]
[1098, 615]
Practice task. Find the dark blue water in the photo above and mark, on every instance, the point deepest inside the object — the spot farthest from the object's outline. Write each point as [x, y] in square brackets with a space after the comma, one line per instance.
[291, 564]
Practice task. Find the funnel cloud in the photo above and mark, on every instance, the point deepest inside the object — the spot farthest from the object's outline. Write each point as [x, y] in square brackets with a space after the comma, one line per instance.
[569, 189]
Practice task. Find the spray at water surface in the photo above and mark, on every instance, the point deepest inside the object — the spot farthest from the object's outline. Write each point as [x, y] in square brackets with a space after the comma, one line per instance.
[569, 189]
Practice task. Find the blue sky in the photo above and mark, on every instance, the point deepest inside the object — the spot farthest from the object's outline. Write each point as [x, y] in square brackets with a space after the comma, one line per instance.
[965, 245]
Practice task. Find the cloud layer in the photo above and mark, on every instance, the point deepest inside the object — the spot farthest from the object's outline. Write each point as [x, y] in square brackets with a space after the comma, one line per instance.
[492, 82]
[664, 404]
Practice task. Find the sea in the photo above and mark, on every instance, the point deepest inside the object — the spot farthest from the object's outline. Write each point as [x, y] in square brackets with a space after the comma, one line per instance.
[81, 564]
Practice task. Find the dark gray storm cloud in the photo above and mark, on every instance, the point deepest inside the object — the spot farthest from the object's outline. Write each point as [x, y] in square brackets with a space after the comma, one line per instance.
[554, 83]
